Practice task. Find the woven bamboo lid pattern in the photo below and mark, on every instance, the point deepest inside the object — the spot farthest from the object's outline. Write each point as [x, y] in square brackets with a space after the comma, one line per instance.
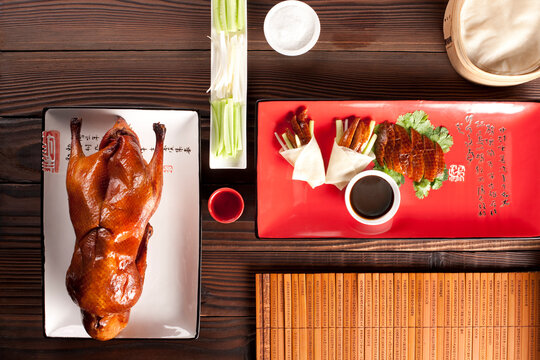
[462, 63]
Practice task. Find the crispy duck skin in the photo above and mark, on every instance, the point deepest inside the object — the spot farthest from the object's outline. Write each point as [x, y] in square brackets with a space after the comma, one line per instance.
[348, 135]
[112, 195]
[430, 163]
[396, 151]
[303, 121]
[360, 136]
[405, 151]
[439, 155]
[390, 147]
[297, 130]
[415, 156]
[301, 128]
[380, 144]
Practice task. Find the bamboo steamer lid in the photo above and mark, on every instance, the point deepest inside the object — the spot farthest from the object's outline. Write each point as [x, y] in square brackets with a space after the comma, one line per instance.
[462, 63]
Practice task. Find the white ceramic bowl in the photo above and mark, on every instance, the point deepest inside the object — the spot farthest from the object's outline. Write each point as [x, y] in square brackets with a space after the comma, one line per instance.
[292, 27]
[388, 215]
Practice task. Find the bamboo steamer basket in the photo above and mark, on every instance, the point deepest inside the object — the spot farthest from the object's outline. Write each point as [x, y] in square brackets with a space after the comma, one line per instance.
[458, 57]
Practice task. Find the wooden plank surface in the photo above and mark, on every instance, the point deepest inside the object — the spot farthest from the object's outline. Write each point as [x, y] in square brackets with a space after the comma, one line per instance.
[179, 79]
[374, 25]
[220, 338]
[20, 228]
[20, 153]
[228, 277]
[156, 53]
[20, 150]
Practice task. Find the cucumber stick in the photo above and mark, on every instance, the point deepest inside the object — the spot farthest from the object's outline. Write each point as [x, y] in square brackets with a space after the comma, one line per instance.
[227, 127]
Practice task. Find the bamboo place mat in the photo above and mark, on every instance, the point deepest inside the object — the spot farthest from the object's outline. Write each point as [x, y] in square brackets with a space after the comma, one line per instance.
[398, 316]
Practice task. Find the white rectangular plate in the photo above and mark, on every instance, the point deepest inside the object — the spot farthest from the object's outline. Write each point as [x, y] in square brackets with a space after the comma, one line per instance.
[169, 304]
[240, 161]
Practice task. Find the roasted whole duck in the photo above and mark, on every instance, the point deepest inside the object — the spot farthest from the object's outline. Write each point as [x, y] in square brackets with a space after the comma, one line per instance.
[112, 195]
[415, 156]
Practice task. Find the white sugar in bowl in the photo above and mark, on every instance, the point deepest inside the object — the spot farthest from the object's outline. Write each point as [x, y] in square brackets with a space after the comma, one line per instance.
[292, 27]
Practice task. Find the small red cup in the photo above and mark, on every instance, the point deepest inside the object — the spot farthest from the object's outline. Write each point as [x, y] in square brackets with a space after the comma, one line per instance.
[226, 205]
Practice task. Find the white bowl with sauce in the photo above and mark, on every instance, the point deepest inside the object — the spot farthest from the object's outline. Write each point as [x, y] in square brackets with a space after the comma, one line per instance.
[372, 197]
[292, 27]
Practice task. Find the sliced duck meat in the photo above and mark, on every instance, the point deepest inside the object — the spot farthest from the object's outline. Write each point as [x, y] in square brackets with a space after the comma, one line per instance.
[390, 146]
[413, 155]
[405, 151]
[358, 135]
[382, 140]
[348, 136]
[430, 165]
[439, 157]
[396, 151]
[417, 156]
[362, 136]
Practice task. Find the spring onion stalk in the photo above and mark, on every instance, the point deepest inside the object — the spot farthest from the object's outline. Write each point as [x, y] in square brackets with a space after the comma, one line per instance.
[339, 130]
[229, 15]
[232, 17]
[283, 146]
[222, 14]
[241, 15]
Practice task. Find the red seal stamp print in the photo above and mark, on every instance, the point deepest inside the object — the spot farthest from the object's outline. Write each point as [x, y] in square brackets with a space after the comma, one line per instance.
[456, 173]
[50, 151]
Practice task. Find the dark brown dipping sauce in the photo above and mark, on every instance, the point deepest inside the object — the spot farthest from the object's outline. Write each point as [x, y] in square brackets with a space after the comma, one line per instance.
[372, 197]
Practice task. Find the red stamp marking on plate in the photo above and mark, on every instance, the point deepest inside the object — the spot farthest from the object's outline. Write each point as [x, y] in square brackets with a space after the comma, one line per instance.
[168, 169]
[456, 173]
[50, 151]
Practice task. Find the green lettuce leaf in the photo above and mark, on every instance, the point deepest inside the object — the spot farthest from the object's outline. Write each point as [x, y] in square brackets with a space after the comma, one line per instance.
[442, 136]
[398, 178]
[417, 120]
[437, 183]
[421, 188]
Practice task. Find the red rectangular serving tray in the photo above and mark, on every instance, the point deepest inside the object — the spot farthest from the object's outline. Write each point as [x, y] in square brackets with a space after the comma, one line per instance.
[491, 192]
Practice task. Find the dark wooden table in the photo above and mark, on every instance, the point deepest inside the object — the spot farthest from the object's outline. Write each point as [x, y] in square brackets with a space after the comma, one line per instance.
[156, 53]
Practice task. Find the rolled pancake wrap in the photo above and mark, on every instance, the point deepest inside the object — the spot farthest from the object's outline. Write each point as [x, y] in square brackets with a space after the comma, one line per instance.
[344, 164]
[307, 162]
